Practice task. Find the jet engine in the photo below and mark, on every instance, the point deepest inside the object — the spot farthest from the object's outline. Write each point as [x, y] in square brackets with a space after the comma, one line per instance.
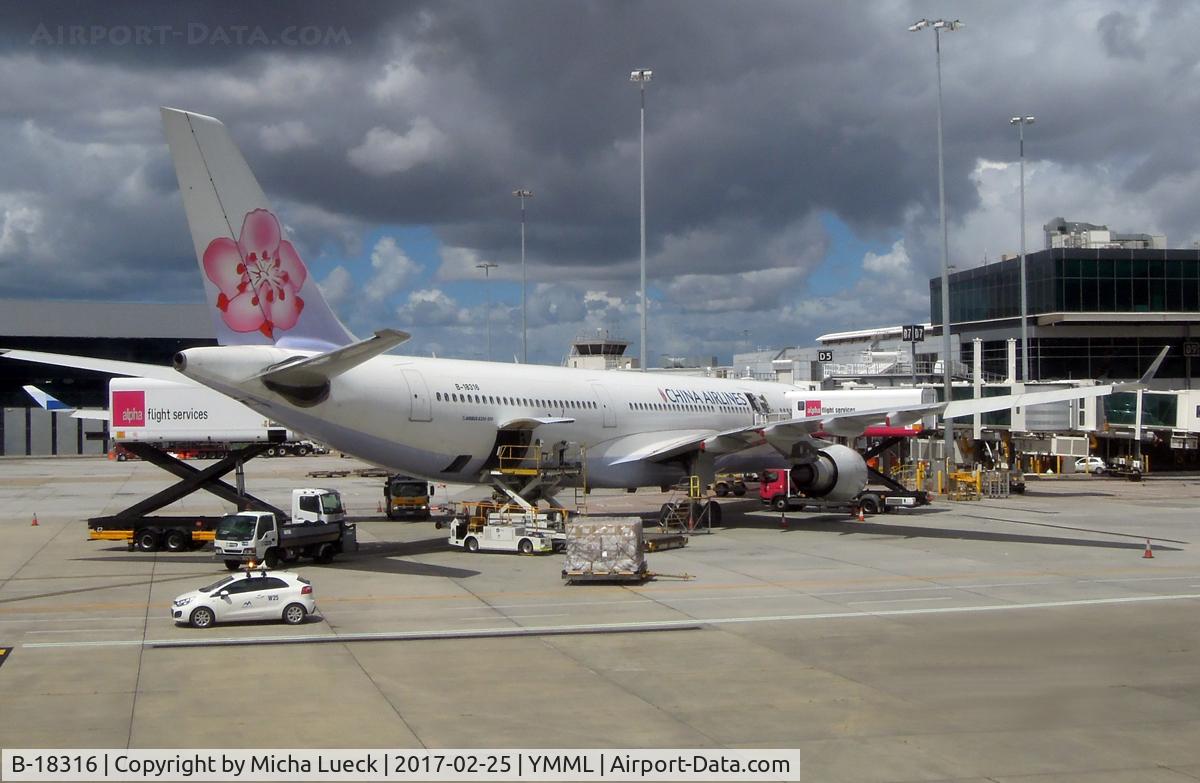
[835, 473]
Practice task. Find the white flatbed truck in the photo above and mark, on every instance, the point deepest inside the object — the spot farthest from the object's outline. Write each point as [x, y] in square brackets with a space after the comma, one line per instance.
[316, 529]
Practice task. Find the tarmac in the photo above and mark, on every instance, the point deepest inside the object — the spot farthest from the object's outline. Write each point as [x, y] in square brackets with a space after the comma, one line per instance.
[1018, 639]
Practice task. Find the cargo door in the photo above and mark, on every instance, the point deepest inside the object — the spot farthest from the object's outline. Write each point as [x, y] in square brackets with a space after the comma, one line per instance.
[418, 395]
[606, 406]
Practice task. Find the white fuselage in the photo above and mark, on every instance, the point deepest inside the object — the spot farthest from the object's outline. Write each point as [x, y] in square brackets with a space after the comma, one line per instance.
[439, 418]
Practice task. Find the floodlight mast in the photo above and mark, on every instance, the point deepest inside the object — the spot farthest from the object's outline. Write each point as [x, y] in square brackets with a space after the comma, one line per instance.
[1021, 122]
[938, 26]
[487, 266]
[640, 76]
[523, 194]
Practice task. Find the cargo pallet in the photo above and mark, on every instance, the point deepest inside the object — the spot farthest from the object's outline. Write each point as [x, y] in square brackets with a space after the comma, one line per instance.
[606, 576]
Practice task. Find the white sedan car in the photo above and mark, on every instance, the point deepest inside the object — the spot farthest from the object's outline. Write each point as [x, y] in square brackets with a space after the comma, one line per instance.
[1090, 465]
[257, 595]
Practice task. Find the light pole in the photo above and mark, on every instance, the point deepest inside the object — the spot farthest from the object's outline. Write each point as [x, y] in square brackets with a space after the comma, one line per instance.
[487, 266]
[523, 194]
[1021, 122]
[938, 26]
[640, 77]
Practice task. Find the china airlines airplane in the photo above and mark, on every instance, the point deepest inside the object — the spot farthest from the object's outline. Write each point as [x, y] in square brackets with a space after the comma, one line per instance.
[284, 353]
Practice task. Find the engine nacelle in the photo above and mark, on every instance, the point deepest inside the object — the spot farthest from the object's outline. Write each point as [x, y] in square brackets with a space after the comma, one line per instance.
[837, 473]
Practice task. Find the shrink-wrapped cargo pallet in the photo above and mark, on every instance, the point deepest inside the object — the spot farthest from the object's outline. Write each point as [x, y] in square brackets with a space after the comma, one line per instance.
[607, 548]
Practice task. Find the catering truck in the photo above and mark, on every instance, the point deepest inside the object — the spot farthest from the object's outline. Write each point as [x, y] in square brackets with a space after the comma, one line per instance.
[317, 528]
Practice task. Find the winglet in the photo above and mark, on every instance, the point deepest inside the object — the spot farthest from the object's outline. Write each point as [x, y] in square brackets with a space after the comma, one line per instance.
[1149, 374]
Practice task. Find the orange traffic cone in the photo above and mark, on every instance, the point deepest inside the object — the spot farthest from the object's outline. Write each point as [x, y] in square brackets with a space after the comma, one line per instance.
[35, 522]
[861, 518]
[783, 523]
[1148, 554]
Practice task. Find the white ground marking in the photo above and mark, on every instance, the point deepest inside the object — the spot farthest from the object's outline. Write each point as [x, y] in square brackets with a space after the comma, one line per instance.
[617, 627]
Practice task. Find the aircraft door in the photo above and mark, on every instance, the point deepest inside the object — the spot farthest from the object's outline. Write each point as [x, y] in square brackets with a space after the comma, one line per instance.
[418, 396]
[606, 405]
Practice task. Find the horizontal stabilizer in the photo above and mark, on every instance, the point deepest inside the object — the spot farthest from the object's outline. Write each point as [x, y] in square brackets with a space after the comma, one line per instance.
[110, 366]
[319, 369]
[95, 414]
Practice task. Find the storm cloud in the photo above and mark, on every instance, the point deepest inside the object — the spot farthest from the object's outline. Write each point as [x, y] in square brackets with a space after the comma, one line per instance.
[788, 144]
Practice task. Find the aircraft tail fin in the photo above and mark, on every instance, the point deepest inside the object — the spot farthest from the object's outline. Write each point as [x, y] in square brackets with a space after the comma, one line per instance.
[46, 400]
[256, 282]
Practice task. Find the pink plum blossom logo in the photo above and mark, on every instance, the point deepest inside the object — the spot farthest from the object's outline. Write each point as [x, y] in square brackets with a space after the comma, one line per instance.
[259, 277]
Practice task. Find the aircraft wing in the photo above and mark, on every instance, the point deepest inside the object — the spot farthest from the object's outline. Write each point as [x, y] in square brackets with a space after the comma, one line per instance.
[110, 366]
[785, 436]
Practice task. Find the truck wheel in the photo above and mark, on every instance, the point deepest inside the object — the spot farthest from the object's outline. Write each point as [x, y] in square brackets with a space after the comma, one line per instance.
[324, 555]
[779, 503]
[147, 540]
[391, 514]
[294, 614]
[472, 544]
[202, 617]
[288, 555]
[302, 451]
[739, 489]
[271, 559]
[869, 504]
[272, 452]
[526, 546]
[177, 541]
[722, 489]
[232, 565]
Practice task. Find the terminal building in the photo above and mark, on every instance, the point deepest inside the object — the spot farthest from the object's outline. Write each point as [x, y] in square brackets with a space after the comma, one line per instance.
[1101, 305]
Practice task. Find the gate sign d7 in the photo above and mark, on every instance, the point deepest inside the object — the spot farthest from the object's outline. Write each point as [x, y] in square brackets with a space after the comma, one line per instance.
[913, 333]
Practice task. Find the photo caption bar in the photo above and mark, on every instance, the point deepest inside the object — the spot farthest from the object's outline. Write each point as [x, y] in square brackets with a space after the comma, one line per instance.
[459, 764]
